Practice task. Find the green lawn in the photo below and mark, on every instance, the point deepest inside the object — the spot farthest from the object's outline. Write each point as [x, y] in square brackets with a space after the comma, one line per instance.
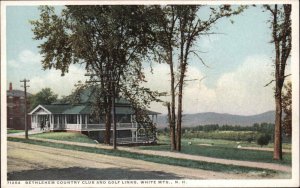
[220, 149]
[156, 159]
[227, 143]
[10, 131]
[66, 136]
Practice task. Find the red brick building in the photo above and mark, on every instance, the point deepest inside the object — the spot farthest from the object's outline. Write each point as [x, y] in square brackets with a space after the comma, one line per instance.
[16, 109]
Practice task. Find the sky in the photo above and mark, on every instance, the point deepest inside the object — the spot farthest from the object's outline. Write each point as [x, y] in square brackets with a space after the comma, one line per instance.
[239, 61]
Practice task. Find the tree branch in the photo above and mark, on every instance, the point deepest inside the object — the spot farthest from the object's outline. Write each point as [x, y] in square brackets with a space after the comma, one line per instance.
[287, 75]
[192, 51]
[269, 83]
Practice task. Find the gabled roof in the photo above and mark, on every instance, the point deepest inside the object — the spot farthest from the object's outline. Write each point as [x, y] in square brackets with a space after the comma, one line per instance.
[75, 110]
[81, 109]
[149, 112]
[86, 96]
[52, 108]
[57, 109]
[123, 106]
[16, 93]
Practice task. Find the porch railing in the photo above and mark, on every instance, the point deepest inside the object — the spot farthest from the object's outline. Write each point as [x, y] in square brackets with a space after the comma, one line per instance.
[86, 127]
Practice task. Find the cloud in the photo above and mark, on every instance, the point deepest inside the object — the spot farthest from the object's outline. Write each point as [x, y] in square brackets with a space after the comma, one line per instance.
[24, 59]
[207, 42]
[28, 65]
[160, 81]
[240, 91]
[62, 85]
[13, 64]
[27, 56]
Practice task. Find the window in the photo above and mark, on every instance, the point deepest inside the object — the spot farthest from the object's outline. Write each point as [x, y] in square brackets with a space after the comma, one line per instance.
[72, 119]
[124, 118]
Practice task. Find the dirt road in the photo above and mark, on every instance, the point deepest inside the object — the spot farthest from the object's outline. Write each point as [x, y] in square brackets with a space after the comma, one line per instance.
[27, 162]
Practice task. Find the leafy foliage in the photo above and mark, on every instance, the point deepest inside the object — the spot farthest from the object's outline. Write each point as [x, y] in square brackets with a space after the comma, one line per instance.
[263, 140]
[178, 28]
[287, 109]
[45, 96]
[112, 42]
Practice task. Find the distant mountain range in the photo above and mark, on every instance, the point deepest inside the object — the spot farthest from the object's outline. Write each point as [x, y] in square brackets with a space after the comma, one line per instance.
[192, 120]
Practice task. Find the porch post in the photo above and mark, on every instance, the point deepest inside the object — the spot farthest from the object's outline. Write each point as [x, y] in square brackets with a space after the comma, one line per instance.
[51, 121]
[132, 135]
[36, 121]
[136, 136]
[57, 121]
[31, 121]
[86, 120]
[80, 121]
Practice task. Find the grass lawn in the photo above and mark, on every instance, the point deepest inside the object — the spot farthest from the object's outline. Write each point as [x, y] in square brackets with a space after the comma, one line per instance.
[66, 136]
[152, 158]
[228, 143]
[10, 131]
[221, 149]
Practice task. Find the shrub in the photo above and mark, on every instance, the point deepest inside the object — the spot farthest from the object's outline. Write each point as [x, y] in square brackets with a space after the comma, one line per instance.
[250, 139]
[263, 140]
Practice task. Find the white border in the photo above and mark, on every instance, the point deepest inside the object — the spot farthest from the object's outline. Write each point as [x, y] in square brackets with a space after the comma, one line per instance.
[294, 182]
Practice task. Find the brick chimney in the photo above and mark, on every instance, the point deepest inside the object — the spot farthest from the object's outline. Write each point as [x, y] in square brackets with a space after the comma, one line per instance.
[10, 86]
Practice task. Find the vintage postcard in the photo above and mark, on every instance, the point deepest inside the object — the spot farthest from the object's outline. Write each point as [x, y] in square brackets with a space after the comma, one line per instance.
[150, 93]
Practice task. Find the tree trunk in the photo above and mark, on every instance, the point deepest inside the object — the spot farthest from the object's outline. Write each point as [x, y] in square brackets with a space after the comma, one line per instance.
[279, 79]
[182, 70]
[173, 116]
[179, 119]
[180, 92]
[108, 122]
[278, 129]
[172, 129]
[179, 111]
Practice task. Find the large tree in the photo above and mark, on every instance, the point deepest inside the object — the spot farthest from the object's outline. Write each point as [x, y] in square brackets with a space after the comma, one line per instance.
[282, 39]
[112, 42]
[180, 28]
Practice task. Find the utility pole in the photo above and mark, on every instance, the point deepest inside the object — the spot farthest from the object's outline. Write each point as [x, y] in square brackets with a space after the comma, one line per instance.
[25, 104]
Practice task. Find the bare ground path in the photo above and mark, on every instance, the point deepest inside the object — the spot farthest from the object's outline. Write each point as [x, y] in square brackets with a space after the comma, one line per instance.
[28, 162]
[269, 166]
[265, 149]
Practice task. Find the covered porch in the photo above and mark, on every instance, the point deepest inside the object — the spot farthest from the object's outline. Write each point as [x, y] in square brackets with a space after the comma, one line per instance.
[64, 118]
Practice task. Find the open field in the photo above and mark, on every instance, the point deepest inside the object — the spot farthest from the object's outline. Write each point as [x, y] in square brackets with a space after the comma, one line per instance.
[221, 149]
[221, 142]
